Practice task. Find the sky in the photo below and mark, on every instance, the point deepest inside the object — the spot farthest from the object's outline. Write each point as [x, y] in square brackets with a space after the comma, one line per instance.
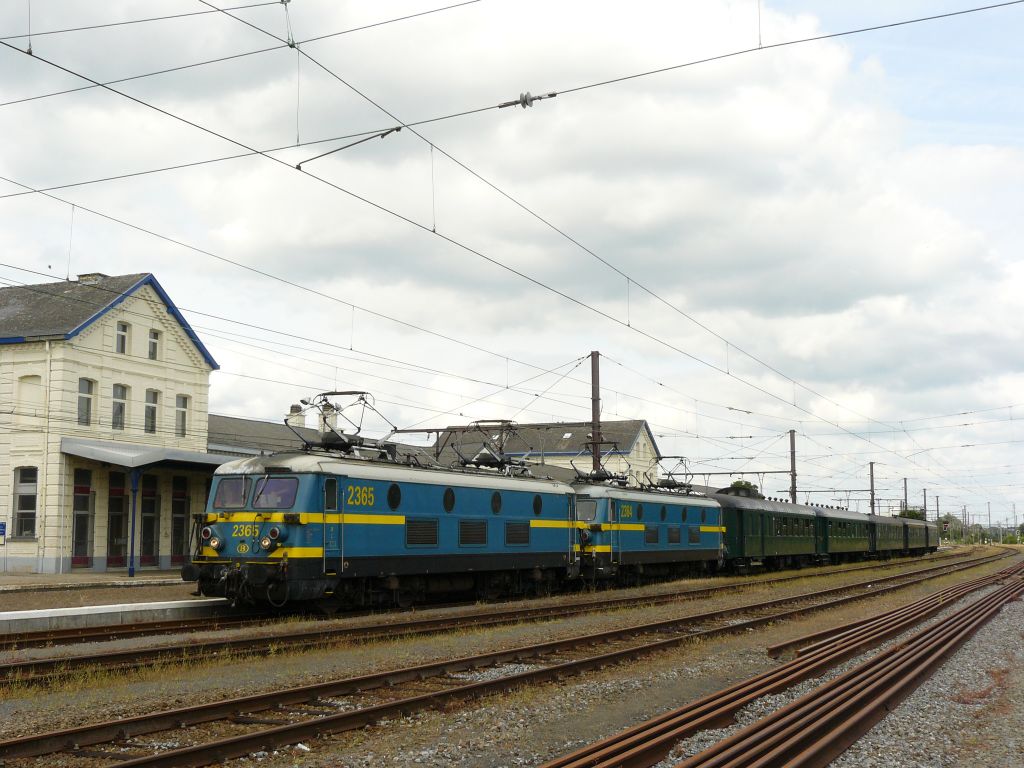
[757, 234]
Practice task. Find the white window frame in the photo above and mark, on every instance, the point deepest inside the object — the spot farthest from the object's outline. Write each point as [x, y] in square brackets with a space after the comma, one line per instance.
[152, 411]
[121, 331]
[86, 399]
[25, 490]
[181, 415]
[116, 401]
[154, 344]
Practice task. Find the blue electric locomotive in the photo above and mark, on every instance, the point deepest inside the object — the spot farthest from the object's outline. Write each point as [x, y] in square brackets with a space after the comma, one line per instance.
[346, 523]
[632, 533]
[315, 525]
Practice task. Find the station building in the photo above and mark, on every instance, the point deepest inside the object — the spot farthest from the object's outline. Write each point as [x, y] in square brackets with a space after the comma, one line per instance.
[560, 448]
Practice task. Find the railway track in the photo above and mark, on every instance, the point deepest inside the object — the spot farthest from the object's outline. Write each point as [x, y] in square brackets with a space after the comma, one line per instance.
[818, 727]
[107, 632]
[829, 725]
[297, 714]
[43, 670]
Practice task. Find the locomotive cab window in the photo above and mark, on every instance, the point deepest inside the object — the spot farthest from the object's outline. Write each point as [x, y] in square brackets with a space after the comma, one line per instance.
[231, 493]
[330, 494]
[275, 493]
[586, 509]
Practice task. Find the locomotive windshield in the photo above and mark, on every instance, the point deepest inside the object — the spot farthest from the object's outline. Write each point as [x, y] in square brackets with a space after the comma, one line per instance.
[231, 493]
[586, 509]
[275, 493]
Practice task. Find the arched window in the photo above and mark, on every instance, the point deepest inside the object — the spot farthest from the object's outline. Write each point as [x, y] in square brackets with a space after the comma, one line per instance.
[152, 402]
[119, 406]
[86, 389]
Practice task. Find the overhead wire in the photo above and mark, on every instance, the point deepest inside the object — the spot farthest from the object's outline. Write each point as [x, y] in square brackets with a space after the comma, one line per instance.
[454, 242]
[655, 295]
[127, 22]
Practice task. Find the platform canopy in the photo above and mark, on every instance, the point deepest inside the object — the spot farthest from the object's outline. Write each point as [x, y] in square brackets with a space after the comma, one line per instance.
[132, 455]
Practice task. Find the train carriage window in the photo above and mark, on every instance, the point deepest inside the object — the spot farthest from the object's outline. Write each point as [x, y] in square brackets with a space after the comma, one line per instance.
[639, 511]
[394, 497]
[231, 493]
[650, 535]
[664, 513]
[693, 534]
[495, 503]
[538, 504]
[675, 535]
[449, 500]
[330, 494]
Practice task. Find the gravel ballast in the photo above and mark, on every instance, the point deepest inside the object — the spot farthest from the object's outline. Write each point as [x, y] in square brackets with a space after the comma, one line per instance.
[522, 728]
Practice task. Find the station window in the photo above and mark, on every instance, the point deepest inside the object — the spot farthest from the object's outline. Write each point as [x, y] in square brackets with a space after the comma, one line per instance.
[180, 415]
[119, 406]
[86, 388]
[154, 345]
[152, 401]
[26, 481]
[121, 339]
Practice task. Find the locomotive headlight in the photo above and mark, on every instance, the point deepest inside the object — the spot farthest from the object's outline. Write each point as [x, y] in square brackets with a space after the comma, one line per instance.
[216, 543]
[267, 543]
[277, 534]
[206, 533]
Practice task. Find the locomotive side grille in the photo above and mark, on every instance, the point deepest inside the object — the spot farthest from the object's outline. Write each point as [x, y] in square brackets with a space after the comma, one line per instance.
[675, 535]
[650, 535]
[422, 533]
[472, 533]
[517, 534]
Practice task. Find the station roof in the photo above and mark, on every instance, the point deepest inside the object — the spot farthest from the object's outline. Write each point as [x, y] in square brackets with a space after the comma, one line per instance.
[64, 309]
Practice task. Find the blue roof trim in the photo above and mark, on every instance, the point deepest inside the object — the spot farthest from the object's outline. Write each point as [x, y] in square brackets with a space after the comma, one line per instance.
[151, 281]
[13, 340]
